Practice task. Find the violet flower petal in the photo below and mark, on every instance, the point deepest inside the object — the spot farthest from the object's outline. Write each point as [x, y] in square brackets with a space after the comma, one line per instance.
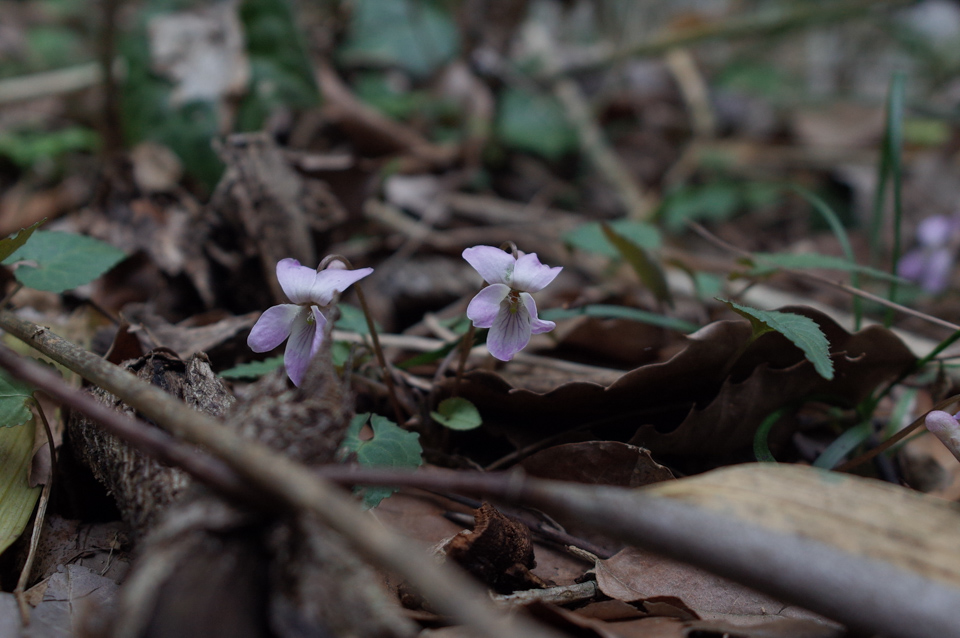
[935, 231]
[912, 264]
[485, 305]
[946, 428]
[531, 276]
[297, 281]
[494, 265]
[537, 325]
[333, 280]
[303, 343]
[272, 327]
[510, 333]
[937, 272]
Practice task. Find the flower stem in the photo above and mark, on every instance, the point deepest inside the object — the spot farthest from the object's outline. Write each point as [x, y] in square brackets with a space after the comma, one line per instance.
[387, 375]
[466, 342]
[381, 359]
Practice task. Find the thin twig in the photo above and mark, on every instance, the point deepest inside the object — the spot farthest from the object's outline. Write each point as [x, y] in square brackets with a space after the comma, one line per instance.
[706, 234]
[290, 484]
[694, 90]
[595, 146]
[741, 26]
[40, 85]
[896, 438]
[38, 520]
[111, 124]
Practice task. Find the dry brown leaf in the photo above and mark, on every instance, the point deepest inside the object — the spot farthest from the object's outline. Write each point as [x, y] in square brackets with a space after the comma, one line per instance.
[635, 575]
[71, 594]
[200, 333]
[597, 463]
[874, 556]
[698, 402]
[771, 627]
[859, 516]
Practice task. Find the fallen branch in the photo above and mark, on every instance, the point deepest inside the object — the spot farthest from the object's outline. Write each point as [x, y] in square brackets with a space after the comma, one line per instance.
[289, 484]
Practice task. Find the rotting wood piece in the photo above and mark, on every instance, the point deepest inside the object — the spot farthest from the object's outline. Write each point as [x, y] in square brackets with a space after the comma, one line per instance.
[141, 486]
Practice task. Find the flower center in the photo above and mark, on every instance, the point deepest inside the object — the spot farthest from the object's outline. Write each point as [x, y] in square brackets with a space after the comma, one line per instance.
[513, 298]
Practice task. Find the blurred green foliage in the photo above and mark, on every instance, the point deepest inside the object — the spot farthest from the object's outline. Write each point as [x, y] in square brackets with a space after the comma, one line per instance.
[281, 74]
[590, 237]
[534, 122]
[280, 77]
[417, 36]
[714, 201]
[27, 148]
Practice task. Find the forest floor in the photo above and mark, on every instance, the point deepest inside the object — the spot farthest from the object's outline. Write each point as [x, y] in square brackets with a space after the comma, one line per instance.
[631, 311]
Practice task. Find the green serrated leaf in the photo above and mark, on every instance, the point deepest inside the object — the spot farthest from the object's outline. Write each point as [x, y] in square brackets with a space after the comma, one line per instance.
[9, 245]
[813, 261]
[391, 446]
[590, 238]
[253, 370]
[646, 268]
[802, 332]
[62, 260]
[14, 395]
[17, 498]
[457, 414]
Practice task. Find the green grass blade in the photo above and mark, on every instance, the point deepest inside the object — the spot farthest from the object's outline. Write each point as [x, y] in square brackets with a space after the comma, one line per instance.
[609, 311]
[843, 445]
[761, 443]
[894, 140]
[842, 238]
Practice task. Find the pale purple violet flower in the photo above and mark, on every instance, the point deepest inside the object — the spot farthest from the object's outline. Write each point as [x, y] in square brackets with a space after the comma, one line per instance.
[931, 263]
[946, 428]
[505, 306]
[302, 321]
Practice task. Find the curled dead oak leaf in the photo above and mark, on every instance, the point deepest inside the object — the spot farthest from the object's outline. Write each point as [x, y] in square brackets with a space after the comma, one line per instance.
[699, 402]
[597, 463]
